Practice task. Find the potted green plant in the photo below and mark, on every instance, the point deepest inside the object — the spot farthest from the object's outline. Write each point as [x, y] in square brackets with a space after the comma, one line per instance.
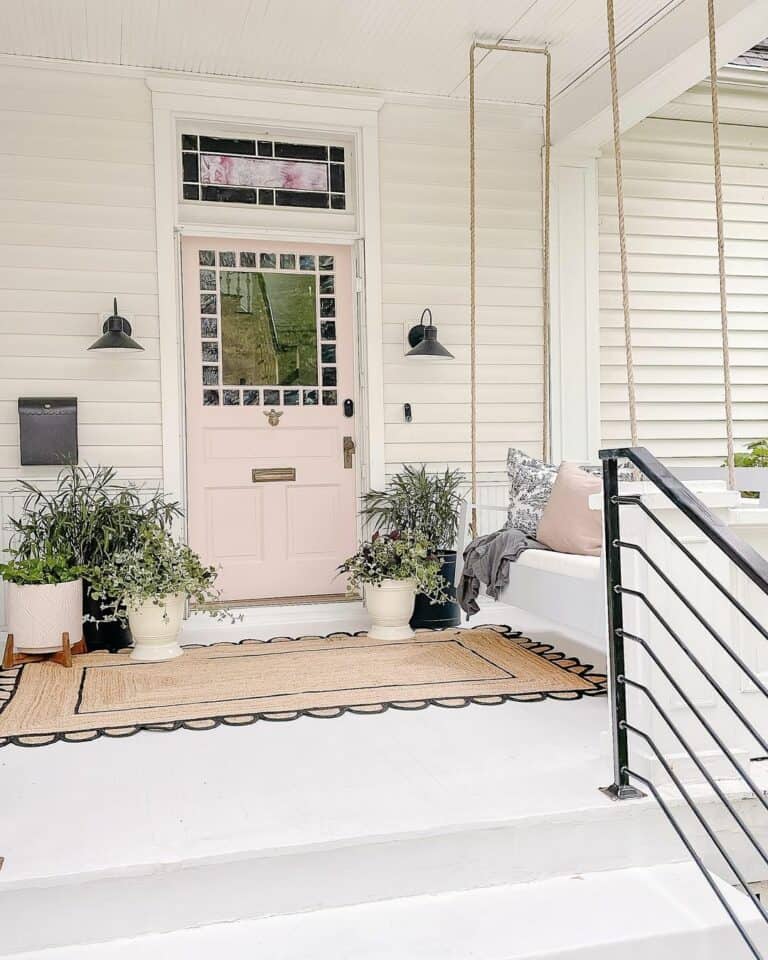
[427, 504]
[756, 456]
[88, 518]
[44, 596]
[147, 585]
[390, 568]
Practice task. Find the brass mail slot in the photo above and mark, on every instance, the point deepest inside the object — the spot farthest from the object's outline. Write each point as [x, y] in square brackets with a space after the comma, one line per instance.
[273, 474]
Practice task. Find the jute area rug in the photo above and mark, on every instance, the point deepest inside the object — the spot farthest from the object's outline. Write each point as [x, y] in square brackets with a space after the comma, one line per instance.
[238, 683]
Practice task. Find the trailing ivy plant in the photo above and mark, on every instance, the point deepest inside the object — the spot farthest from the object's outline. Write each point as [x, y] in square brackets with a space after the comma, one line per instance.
[425, 503]
[49, 568]
[87, 518]
[396, 556]
[151, 569]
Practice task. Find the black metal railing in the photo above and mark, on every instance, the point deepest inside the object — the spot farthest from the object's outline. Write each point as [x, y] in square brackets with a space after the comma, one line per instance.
[755, 568]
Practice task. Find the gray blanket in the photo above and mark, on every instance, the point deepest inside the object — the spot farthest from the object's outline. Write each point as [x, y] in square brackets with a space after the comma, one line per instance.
[487, 560]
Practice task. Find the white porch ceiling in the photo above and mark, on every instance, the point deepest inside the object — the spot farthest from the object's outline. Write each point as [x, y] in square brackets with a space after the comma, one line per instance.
[418, 47]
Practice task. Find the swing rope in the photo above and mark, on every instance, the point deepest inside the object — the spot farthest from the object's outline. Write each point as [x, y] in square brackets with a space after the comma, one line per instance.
[622, 233]
[721, 241]
[711, 26]
[472, 288]
[545, 240]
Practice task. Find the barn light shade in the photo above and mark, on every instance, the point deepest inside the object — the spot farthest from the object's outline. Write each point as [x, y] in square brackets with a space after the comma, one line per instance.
[116, 334]
[423, 340]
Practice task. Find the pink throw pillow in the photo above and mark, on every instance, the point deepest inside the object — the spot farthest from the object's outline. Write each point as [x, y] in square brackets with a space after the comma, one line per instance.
[567, 524]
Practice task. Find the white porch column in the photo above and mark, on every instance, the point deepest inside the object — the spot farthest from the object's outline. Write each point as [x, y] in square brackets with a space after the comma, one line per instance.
[575, 320]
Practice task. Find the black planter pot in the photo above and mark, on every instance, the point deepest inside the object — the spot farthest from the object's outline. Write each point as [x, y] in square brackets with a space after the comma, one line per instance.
[436, 616]
[103, 635]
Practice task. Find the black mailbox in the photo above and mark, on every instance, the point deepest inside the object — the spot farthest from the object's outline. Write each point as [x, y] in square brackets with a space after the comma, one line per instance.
[48, 431]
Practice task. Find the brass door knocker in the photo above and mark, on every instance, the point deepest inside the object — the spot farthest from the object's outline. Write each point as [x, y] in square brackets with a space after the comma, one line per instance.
[273, 416]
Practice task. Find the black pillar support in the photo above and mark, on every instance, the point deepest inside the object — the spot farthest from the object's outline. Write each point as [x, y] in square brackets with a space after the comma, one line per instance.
[621, 788]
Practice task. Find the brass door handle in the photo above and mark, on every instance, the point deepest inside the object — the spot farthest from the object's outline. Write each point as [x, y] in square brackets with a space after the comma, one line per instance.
[349, 449]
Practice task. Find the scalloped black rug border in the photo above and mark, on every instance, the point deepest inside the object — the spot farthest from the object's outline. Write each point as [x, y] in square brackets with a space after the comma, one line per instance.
[10, 679]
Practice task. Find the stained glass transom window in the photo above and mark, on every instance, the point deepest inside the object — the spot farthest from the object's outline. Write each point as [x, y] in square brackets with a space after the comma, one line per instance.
[265, 336]
[268, 173]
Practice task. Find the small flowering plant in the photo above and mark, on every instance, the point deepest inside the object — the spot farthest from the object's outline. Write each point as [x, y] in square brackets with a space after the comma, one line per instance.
[154, 568]
[396, 556]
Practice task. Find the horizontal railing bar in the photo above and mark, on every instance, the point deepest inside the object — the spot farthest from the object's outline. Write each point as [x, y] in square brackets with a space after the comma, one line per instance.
[699, 565]
[699, 862]
[702, 620]
[700, 766]
[697, 663]
[699, 716]
[746, 558]
[701, 818]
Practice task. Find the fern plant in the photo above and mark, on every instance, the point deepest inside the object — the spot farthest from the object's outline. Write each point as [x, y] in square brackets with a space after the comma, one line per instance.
[426, 504]
[89, 517]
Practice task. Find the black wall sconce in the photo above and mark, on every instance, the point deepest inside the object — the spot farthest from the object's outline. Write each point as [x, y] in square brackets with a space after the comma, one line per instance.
[423, 341]
[116, 334]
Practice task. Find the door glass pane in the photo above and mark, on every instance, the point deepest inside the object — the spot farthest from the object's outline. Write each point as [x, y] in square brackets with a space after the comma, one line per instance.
[268, 328]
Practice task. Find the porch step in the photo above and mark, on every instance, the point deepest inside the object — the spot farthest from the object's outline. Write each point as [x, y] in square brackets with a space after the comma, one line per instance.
[664, 912]
[250, 886]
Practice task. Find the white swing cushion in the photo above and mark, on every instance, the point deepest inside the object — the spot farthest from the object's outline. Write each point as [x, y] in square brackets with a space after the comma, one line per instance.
[565, 564]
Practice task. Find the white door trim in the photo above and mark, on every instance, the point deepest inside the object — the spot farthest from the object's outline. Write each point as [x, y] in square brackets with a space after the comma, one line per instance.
[257, 104]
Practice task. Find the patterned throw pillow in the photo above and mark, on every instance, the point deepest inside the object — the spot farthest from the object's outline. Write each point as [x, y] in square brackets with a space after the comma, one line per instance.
[530, 486]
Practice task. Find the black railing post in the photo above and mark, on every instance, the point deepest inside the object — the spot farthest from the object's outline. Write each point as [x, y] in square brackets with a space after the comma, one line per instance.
[621, 788]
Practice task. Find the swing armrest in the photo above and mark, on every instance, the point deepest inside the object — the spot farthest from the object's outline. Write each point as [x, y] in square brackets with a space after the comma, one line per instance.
[464, 538]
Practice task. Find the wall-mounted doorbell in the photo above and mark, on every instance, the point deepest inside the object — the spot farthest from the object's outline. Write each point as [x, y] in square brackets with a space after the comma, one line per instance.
[408, 413]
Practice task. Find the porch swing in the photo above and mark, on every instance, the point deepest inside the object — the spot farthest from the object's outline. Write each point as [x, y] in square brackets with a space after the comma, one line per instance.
[568, 589]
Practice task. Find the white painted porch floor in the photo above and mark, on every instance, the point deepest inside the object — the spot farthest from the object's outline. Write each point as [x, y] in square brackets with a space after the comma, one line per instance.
[168, 797]
[167, 832]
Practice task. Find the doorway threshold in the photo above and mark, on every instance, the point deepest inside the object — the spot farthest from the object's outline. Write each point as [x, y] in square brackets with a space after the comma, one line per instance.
[291, 616]
[277, 602]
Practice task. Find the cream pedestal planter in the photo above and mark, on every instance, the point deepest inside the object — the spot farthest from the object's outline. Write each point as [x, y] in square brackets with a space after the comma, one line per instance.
[155, 628]
[390, 604]
[38, 615]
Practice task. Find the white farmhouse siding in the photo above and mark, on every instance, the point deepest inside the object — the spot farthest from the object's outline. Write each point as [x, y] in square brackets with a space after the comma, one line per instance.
[77, 212]
[425, 226]
[671, 231]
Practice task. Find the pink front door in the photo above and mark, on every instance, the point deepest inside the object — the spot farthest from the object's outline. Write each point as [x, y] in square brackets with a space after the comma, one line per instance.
[270, 439]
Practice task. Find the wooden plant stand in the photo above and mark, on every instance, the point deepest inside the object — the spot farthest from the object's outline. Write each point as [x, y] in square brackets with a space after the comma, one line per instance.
[63, 656]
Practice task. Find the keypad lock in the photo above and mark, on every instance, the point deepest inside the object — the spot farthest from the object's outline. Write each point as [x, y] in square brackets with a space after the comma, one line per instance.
[349, 450]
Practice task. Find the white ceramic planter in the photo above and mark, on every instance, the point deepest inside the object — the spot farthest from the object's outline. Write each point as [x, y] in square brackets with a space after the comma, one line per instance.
[390, 605]
[155, 628]
[39, 613]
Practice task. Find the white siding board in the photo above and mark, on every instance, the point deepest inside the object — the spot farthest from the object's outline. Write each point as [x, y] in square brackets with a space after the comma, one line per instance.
[70, 324]
[79, 258]
[115, 237]
[77, 207]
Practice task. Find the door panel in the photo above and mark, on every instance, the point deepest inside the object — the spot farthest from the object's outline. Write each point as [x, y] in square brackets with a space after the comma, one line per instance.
[269, 363]
[235, 523]
[313, 515]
